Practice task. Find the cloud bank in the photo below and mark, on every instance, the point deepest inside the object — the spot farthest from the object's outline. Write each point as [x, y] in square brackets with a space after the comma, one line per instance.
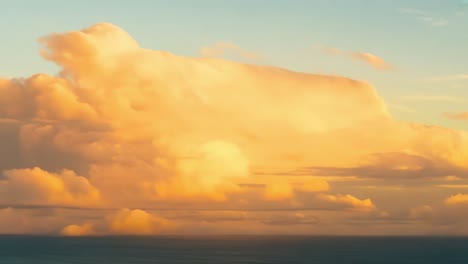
[126, 140]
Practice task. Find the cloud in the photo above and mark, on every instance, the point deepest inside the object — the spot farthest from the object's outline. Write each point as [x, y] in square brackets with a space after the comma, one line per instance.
[421, 212]
[433, 21]
[125, 127]
[458, 199]
[453, 186]
[373, 60]
[36, 186]
[78, 230]
[329, 50]
[412, 11]
[138, 222]
[401, 108]
[456, 116]
[431, 98]
[455, 77]
[350, 201]
[370, 59]
[220, 49]
[122, 222]
[394, 166]
[293, 219]
[287, 189]
[425, 17]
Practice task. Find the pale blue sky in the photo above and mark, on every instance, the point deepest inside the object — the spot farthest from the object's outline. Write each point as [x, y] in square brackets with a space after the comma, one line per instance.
[422, 38]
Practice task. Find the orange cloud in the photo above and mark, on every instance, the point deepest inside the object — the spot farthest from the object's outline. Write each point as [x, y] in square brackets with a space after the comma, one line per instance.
[220, 49]
[36, 186]
[370, 59]
[421, 212]
[458, 199]
[457, 116]
[78, 230]
[139, 222]
[350, 201]
[122, 222]
[125, 127]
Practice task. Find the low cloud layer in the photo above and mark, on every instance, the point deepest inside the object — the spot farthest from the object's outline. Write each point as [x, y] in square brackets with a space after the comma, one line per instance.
[126, 140]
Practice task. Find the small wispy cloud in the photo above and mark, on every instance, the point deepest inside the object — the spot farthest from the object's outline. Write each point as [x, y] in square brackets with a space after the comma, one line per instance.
[456, 116]
[424, 16]
[329, 50]
[438, 22]
[370, 59]
[453, 186]
[220, 49]
[454, 77]
[412, 11]
[431, 98]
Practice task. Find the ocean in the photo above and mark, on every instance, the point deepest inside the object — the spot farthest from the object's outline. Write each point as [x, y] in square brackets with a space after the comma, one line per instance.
[232, 249]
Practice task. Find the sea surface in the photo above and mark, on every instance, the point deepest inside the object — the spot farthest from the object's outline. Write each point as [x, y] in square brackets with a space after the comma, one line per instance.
[232, 249]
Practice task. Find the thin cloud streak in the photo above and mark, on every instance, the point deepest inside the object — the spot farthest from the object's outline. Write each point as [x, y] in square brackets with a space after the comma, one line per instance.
[462, 116]
[431, 98]
[370, 59]
[425, 17]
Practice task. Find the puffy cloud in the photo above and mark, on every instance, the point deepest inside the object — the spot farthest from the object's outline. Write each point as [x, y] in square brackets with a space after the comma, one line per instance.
[38, 187]
[78, 230]
[125, 127]
[160, 135]
[138, 222]
[421, 212]
[278, 191]
[458, 199]
[121, 222]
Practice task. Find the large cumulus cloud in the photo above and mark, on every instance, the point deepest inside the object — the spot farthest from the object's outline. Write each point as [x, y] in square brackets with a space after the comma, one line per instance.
[125, 127]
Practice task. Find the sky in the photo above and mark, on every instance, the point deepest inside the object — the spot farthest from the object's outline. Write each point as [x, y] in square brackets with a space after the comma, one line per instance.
[234, 117]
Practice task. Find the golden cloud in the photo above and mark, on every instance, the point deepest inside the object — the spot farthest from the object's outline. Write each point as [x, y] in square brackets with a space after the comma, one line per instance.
[125, 127]
[39, 187]
[458, 199]
[221, 48]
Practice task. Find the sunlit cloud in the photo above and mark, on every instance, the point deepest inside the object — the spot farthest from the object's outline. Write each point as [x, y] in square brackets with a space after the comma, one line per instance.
[370, 59]
[220, 49]
[457, 116]
[455, 77]
[432, 98]
[453, 186]
[421, 212]
[457, 199]
[373, 60]
[126, 140]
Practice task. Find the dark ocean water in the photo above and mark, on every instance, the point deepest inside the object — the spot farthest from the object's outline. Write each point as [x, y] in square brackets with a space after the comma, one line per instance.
[229, 249]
